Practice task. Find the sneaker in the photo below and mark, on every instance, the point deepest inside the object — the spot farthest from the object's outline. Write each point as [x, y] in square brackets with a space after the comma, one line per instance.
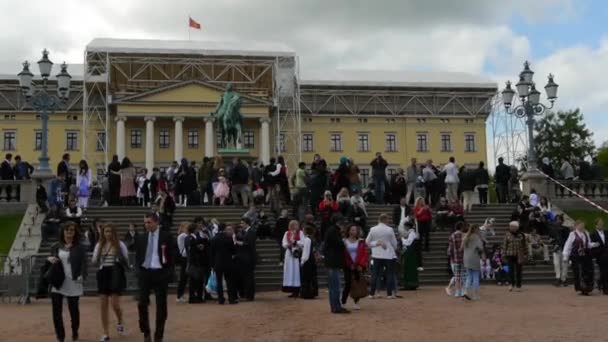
[392, 297]
[356, 307]
[420, 269]
[181, 300]
[104, 338]
[448, 292]
[511, 288]
[465, 296]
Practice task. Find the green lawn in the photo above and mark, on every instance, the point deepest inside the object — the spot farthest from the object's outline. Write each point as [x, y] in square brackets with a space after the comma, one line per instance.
[588, 216]
[9, 224]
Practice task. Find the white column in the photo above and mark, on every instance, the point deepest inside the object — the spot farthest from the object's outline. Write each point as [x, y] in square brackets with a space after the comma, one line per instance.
[120, 136]
[179, 138]
[265, 141]
[149, 143]
[209, 137]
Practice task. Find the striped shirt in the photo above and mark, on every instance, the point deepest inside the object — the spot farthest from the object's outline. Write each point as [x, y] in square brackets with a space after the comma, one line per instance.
[108, 257]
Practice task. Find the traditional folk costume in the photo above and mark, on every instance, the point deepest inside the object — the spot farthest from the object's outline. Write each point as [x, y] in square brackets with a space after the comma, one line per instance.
[310, 286]
[577, 248]
[294, 244]
[410, 260]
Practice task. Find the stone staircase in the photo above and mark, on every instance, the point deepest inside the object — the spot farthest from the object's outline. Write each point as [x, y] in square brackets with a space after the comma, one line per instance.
[268, 271]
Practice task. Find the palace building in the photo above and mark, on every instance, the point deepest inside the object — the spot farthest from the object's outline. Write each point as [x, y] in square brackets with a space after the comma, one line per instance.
[152, 101]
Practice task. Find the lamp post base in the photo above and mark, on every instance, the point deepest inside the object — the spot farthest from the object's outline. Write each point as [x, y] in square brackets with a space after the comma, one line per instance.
[533, 179]
[39, 176]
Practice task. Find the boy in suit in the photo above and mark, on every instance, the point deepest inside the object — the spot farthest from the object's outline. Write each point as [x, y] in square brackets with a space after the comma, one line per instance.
[600, 253]
[246, 257]
[155, 262]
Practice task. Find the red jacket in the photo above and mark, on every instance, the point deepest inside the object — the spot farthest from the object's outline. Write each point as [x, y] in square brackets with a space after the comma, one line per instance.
[362, 255]
[423, 214]
[326, 211]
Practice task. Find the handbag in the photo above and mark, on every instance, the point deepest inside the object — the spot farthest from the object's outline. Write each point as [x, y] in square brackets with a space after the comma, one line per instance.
[55, 275]
[358, 287]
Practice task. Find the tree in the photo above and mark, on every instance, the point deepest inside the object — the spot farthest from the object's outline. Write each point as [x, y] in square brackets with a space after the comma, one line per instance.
[563, 135]
[602, 158]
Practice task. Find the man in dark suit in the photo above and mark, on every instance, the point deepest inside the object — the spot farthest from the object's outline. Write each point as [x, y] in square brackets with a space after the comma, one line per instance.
[7, 173]
[155, 262]
[600, 254]
[222, 255]
[246, 258]
[64, 168]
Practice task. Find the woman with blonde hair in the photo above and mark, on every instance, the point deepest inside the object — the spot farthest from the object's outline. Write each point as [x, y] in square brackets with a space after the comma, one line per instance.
[112, 257]
[343, 199]
[472, 247]
[293, 242]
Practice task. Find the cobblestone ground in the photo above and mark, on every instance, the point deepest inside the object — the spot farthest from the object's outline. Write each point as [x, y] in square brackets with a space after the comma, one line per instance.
[538, 313]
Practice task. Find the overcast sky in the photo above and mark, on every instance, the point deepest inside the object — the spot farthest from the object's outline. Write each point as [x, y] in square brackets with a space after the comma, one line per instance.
[566, 37]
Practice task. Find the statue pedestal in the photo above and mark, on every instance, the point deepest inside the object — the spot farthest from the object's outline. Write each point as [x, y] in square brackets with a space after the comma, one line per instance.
[535, 180]
[38, 177]
[236, 152]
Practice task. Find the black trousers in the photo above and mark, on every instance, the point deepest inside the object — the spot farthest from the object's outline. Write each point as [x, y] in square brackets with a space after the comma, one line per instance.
[228, 275]
[183, 277]
[348, 274]
[424, 229]
[582, 267]
[195, 288]
[515, 271]
[207, 189]
[248, 282]
[603, 281]
[502, 192]
[157, 281]
[57, 305]
[483, 195]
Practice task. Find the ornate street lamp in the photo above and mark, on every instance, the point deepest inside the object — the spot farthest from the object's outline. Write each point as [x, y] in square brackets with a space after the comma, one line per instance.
[43, 102]
[530, 104]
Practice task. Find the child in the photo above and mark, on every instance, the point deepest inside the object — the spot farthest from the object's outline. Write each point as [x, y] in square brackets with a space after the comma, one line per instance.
[143, 193]
[486, 268]
[498, 266]
[222, 190]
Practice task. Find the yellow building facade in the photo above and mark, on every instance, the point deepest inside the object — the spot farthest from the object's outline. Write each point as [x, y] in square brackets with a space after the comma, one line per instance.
[152, 101]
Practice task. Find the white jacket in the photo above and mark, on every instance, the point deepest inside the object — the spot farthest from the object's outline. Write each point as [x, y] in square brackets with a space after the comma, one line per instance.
[382, 233]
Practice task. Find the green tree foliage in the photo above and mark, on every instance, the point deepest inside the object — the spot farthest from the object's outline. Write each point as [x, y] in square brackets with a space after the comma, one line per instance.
[602, 158]
[563, 135]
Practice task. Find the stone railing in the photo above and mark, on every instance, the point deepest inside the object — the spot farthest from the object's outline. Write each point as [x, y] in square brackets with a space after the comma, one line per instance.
[15, 191]
[590, 189]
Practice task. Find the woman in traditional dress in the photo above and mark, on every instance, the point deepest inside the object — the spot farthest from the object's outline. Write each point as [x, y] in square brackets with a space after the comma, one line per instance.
[127, 181]
[409, 257]
[83, 181]
[293, 243]
[356, 258]
[578, 250]
[310, 286]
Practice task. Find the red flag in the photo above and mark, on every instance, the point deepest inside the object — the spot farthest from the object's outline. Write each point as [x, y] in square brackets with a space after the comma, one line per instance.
[192, 23]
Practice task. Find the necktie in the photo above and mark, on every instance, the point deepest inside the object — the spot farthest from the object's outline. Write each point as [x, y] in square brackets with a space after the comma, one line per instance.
[149, 251]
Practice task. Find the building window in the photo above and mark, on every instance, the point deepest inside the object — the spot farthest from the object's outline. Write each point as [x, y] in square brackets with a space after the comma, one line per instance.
[163, 138]
[282, 143]
[10, 116]
[364, 175]
[390, 172]
[101, 141]
[71, 141]
[335, 142]
[469, 143]
[446, 143]
[391, 142]
[248, 139]
[422, 143]
[136, 138]
[192, 138]
[37, 140]
[363, 142]
[307, 142]
[10, 140]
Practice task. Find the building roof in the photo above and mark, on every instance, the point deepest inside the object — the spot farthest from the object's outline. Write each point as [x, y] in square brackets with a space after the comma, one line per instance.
[216, 48]
[385, 78]
[75, 70]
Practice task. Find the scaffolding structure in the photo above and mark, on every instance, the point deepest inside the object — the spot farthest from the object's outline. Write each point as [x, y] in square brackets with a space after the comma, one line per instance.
[111, 74]
[509, 134]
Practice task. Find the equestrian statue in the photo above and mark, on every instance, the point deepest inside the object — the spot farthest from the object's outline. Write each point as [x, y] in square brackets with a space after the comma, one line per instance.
[229, 118]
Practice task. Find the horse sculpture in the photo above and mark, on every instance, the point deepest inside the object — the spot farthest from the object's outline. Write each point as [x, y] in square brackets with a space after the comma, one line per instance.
[230, 120]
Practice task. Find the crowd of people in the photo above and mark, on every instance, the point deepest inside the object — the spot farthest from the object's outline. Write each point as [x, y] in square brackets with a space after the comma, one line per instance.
[328, 226]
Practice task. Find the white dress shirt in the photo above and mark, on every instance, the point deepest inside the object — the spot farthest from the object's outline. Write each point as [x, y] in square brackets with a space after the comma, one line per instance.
[451, 173]
[572, 237]
[155, 265]
[601, 234]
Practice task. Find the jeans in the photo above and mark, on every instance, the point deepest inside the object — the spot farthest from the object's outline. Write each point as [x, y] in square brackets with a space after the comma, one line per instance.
[472, 280]
[388, 266]
[379, 188]
[560, 265]
[515, 270]
[333, 283]
[57, 305]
